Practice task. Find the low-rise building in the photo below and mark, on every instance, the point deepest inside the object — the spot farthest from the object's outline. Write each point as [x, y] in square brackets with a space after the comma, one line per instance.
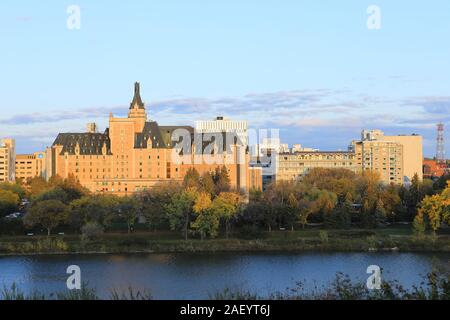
[294, 165]
[29, 166]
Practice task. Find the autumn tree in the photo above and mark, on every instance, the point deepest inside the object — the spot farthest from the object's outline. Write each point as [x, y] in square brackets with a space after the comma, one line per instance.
[226, 206]
[206, 222]
[191, 179]
[221, 179]
[207, 183]
[9, 202]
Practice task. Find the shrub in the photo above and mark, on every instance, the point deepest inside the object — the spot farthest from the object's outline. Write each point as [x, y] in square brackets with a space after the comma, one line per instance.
[91, 231]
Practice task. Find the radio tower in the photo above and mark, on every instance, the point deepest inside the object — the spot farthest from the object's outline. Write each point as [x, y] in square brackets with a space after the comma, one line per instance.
[440, 151]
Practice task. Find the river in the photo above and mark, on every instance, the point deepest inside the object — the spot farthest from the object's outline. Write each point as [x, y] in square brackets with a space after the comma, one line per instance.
[197, 276]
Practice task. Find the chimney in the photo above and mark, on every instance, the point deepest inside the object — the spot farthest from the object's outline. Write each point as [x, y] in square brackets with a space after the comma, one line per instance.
[91, 127]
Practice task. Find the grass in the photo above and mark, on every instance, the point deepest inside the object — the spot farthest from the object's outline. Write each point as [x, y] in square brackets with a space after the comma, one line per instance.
[434, 287]
[310, 239]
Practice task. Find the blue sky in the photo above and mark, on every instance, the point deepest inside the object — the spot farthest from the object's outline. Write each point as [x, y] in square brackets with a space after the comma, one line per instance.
[311, 68]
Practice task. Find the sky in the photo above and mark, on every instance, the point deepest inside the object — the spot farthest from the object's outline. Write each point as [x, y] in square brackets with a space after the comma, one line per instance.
[312, 69]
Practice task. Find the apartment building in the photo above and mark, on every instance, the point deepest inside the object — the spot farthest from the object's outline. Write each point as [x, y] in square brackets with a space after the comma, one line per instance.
[383, 157]
[29, 166]
[404, 153]
[7, 160]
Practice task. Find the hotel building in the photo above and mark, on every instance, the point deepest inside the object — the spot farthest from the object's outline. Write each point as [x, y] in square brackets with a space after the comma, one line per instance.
[134, 154]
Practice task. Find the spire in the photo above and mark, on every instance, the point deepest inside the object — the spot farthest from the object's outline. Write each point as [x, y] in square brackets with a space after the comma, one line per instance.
[137, 101]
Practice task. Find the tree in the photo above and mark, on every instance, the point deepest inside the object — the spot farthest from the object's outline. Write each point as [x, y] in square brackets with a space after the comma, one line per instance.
[91, 230]
[419, 226]
[127, 209]
[48, 213]
[207, 183]
[38, 185]
[222, 180]
[14, 188]
[180, 210]
[340, 216]
[391, 201]
[434, 208]
[206, 222]
[191, 179]
[56, 193]
[9, 202]
[100, 209]
[294, 211]
[225, 206]
[153, 203]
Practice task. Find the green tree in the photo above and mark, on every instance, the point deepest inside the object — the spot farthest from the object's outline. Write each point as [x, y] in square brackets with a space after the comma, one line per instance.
[101, 209]
[180, 210]
[419, 226]
[127, 209]
[153, 204]
[48, 214]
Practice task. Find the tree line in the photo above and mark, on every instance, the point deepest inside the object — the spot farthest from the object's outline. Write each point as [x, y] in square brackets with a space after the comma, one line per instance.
[205, 206]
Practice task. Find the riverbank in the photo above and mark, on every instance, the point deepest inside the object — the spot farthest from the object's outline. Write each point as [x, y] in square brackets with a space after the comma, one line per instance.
[393, 239]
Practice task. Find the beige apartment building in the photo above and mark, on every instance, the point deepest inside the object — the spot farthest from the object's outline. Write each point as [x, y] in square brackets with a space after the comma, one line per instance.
[134, 154]
[404, 152]
[7, 160]
[29, 166]
[383, 157]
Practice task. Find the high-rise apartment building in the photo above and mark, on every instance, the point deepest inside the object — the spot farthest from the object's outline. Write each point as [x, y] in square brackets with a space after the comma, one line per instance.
[7, 160]
[382, 157]
[401, 156]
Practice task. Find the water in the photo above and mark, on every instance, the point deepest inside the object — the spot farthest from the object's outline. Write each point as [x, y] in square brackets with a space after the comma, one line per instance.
[195, 276]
